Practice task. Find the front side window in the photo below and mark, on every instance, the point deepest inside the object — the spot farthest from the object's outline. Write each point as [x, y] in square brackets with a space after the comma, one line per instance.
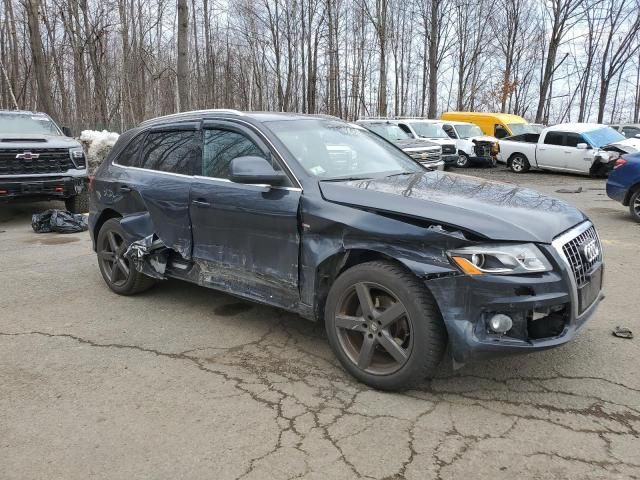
[554, 138]
[500, 132]
[449, 130]
[221, 147]
[332, 149]
[171, 151]
[573, 139]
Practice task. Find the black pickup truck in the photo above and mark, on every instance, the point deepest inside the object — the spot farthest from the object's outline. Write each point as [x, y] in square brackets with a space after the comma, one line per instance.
[39, 161]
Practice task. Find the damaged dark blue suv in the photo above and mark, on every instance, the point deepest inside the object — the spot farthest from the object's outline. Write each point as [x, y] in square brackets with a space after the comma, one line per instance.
[323, 218]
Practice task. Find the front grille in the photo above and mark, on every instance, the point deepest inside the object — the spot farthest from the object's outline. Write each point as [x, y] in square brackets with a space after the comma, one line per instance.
[482, 149]
[50, 160]
[426, 155]
[448, 149]
[580, 264]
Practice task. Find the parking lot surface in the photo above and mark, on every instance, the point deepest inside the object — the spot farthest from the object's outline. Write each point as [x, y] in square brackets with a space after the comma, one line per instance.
[185, 382]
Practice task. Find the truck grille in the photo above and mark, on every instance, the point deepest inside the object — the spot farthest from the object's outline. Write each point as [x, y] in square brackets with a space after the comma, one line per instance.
[49, 160]
[448, 149]
[482, 149]
[426, 156]
[582, 263]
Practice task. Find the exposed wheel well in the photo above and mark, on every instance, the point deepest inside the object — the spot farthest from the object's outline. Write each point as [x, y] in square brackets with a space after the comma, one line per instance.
[332, 267]
[106, 214]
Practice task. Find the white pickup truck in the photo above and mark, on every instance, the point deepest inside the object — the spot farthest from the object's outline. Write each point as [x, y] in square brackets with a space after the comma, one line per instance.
[586, 148]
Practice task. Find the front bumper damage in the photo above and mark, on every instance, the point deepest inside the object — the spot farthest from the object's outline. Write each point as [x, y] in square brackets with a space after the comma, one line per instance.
[41, 187]
[543, 308]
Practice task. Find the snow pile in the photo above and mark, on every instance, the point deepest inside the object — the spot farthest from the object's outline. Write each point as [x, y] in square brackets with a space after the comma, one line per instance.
[97, 145]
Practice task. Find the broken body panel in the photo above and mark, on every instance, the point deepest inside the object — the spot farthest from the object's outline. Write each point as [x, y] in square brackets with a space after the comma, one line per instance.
[284, 246]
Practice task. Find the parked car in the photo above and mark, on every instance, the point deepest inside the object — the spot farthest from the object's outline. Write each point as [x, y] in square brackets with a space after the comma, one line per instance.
[39, 161]
[426, 130]
[629, 130]
[426, 152]
[585, 148]
[499, 125]
[473, 146]
[623, 184]
[399, 261]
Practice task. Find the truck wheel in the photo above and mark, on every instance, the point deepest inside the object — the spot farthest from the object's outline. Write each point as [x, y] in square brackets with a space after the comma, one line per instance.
[78, 203]
[463, 160]
[518, 163]
[634, 206]
[117, 271]
[384, 326]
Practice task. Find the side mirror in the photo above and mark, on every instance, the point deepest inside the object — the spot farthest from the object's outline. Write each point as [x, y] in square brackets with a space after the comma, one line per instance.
[66, 131]
[582, 146]
[251, 169]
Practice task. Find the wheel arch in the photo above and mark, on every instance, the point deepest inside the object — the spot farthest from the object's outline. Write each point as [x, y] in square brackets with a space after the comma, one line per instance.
[630, 191]
[331, 267]
[105, 215]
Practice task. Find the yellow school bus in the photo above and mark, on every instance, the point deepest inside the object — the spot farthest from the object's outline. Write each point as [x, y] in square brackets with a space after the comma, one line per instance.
[498, 125]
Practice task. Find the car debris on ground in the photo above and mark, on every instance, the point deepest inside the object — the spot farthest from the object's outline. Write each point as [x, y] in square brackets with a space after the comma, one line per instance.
[622, 332]
[60, 221]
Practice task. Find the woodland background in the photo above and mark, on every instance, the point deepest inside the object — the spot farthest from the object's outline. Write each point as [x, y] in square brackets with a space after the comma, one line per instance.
[113, 63]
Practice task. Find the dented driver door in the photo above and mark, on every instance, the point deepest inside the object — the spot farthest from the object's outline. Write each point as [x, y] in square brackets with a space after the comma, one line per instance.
[245, 237]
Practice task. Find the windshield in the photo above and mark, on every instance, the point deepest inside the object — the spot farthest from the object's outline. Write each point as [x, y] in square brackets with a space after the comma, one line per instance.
[333, 149]
[520, 128]
[468, 131]
[391, 132]
[603, 136]
[29, 124]
[428, 130]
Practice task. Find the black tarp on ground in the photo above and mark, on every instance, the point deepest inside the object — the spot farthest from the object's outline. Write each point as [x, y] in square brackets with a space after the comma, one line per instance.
[60, 221]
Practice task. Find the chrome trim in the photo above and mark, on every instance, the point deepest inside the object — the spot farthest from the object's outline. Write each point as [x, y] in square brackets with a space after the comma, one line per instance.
[264, 185]
[557, 244]
[126, 167]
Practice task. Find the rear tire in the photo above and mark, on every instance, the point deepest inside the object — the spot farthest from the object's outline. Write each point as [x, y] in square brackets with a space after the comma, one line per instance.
[519, 163]
[117, 271]
[384, 326]
[634, 206]
[78, 203]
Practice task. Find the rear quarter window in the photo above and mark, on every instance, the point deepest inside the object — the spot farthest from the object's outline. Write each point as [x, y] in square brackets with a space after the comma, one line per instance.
[130, 154]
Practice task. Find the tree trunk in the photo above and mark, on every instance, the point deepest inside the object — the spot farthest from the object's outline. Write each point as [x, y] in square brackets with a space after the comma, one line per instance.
[182, 68]
[45, 102]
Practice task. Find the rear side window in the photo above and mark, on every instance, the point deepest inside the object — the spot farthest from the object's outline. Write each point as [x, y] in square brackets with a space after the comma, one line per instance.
[171, 151]
[222, 146]
[554, 138]
[130, 155]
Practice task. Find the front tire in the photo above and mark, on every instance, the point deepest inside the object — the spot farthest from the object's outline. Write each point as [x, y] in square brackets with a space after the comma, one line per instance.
[117, 271]
[634, 206]
[463, 160]
[518, 163]
[384, 326]
[78, 203]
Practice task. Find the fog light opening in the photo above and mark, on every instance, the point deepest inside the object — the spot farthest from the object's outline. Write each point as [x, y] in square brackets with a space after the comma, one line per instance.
[500, 323]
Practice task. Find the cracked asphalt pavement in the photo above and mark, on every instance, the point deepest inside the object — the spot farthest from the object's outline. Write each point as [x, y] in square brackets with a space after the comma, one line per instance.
[185, 382]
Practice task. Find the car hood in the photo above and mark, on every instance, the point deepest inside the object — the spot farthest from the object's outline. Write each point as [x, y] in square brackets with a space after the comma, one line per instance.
[493, 210]
[482, 138]
[630, 145]
[26, 141]
[415, 143]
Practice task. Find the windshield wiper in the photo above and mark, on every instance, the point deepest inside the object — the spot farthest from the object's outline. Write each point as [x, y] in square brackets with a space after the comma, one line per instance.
[400, 174]
[344, 179]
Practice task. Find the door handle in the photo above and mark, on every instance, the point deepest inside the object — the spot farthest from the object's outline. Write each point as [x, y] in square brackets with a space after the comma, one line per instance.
[125, 188]
[201, 202]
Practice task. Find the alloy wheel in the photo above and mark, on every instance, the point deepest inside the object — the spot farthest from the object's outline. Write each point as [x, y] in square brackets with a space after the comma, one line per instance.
[374, 328]
[462, 161]
[517, 164]
[636, 206]
[114, 264]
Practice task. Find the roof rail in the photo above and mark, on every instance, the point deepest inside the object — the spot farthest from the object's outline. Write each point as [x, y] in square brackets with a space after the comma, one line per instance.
[193, 112]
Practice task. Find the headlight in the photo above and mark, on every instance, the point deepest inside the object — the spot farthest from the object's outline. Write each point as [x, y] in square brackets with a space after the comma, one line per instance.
[76, 153]
[500, 259]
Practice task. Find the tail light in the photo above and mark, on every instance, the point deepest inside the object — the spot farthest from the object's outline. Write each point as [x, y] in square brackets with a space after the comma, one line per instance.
[619, 162]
